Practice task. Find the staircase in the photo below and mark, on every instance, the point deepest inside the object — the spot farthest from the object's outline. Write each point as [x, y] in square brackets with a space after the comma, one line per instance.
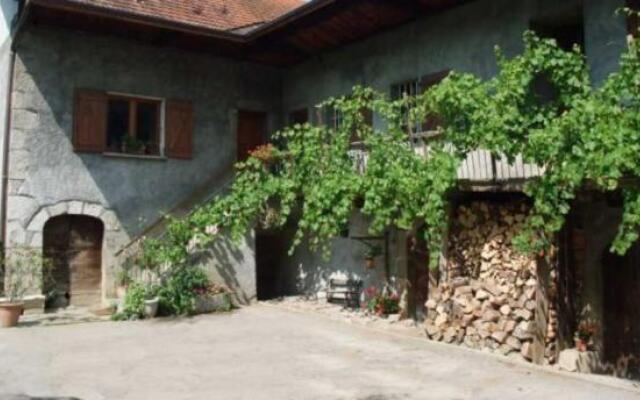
[215, 185]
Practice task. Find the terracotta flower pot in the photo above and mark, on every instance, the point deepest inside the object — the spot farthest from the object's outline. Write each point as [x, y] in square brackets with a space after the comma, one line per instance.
[10, 314]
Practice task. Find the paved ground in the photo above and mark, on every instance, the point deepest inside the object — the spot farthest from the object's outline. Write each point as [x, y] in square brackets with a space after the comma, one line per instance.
[262, 352]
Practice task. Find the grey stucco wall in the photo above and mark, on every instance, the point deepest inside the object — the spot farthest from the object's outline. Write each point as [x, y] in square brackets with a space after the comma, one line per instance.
[308, 272]
[46, 172]
[47, 178]
[605, 36]
[462, 39]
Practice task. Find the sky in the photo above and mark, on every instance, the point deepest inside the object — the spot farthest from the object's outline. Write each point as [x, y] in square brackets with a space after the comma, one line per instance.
[7, 11]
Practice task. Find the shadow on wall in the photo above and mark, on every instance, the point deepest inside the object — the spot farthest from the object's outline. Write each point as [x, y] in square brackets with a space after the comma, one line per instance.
[312, 272]
[231, 265]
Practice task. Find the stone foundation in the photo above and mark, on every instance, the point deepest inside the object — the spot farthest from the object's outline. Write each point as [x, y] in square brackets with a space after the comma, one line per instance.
[488, 298]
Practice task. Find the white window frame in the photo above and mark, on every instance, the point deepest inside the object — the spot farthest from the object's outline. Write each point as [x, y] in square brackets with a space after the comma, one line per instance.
[163, 106]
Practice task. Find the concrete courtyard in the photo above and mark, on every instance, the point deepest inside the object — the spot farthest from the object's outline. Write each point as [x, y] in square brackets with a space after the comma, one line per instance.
[263, 352]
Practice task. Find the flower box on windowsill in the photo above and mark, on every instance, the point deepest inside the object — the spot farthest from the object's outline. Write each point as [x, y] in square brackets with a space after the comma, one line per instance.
[135, 156]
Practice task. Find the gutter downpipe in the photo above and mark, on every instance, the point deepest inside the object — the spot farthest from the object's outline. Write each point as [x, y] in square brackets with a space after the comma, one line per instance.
[23, 13]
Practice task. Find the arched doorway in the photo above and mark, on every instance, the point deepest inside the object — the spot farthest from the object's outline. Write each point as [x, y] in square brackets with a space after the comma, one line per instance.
[621, 314]
[73, 243]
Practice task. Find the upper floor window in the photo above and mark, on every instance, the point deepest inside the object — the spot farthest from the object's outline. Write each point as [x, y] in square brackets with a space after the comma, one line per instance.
[334, 118]
[134, 125]
[413, 88]
[115, 123]
[410, 88]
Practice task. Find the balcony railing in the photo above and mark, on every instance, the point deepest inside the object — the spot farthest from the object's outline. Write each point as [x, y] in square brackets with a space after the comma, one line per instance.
[479, 168]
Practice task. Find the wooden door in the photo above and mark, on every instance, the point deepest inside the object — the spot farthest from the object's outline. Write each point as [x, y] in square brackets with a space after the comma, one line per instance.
[621, 319]
[252, 132]
[74, 244]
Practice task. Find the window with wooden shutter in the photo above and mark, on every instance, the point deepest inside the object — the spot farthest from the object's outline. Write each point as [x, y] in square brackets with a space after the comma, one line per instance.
[179, 129]
[133, 125]
[90, 121]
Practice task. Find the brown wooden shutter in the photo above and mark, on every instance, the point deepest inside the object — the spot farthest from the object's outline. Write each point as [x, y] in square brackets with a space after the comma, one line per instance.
[179, 129]
[90, 121]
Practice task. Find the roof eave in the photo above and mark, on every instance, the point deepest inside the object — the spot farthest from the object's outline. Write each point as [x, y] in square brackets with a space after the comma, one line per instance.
[140, 18]
[289, 17]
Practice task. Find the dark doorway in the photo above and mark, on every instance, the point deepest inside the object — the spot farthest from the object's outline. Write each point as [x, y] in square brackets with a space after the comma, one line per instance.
[621, 314]
[418, 275]
[276, 277]
[73, 243]
[252, 132]
[571, 252]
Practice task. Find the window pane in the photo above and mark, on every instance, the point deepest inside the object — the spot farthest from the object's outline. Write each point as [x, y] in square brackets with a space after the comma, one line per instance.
[117, 123]
[147, 123]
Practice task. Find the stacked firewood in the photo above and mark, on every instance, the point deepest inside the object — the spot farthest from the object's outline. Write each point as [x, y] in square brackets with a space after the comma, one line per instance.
[488, 299]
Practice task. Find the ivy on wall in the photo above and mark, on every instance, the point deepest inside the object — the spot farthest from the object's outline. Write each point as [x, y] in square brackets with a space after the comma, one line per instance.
[541, 105]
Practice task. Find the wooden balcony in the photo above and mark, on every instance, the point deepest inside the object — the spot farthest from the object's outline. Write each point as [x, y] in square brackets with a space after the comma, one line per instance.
[480, 170]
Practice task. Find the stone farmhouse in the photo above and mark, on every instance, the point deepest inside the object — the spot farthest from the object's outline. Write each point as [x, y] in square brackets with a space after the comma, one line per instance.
[116, 112]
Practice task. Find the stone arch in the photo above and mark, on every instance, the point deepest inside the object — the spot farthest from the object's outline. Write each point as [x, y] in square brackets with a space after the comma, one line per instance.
[35, 224]
[73, 244]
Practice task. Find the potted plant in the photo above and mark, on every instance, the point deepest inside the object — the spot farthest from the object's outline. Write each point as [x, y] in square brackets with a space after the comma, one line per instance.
[383, 302]
[23, 271]
[151, 303]
[372, 252]
[132, 145]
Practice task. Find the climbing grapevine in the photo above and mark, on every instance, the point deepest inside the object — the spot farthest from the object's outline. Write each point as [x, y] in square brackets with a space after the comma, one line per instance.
[541, 106]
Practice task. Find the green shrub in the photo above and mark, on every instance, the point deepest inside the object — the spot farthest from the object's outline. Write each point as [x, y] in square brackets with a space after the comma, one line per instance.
[133, 306]
[178, 293]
